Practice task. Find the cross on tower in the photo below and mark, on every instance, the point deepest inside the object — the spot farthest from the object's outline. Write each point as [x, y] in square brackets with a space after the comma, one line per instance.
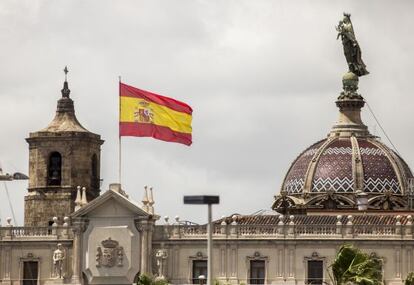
[65, 90]
[66, 72]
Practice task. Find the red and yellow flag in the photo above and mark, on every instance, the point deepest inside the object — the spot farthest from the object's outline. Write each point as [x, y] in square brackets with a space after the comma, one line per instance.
[145, 114]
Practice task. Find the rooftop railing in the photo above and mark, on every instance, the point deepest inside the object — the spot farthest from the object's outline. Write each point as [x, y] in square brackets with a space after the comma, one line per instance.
[8, 233]
[289, 230]
[55, 231]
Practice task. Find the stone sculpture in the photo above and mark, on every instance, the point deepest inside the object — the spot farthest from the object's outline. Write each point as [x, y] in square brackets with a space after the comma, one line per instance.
[59, 256]
[110, 255]
[352, 50]
[161, 255]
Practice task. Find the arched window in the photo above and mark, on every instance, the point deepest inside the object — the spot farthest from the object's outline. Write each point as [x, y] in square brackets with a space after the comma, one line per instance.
[54, 170]
[94, 172]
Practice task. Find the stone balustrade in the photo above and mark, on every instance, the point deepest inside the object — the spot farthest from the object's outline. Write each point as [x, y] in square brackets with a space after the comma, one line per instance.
[286, 231]
[55, 231]
[22, 233]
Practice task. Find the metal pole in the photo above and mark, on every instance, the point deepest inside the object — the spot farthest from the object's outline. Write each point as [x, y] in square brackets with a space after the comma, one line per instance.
[209, 248]
[119, 134]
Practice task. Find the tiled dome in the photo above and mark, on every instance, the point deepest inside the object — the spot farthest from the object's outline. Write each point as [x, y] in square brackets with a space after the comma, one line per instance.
[348, 167]
[333, 163]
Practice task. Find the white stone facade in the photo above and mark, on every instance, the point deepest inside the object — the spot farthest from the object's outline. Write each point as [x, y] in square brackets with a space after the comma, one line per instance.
[285, 249]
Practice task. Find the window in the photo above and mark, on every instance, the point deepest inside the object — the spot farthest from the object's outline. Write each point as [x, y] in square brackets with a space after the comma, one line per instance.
[49, 228]
[94, 172]
[257, 272]
[30, 272]
[315, 272]
[54, 171]
[199, 268]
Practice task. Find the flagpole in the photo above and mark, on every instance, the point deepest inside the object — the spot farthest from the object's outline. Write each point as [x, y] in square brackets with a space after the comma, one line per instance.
[119, 133]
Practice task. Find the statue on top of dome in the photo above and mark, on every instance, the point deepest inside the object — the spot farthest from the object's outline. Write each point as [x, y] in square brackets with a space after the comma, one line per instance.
[352, 50]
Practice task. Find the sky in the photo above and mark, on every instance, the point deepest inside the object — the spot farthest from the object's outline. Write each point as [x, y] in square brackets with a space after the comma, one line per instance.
[261, 76]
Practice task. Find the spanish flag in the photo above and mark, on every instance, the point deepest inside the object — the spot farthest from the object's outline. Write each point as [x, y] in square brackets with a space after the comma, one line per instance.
[145, 114]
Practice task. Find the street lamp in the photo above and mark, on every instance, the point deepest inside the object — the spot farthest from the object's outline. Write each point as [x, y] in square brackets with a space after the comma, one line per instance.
[14, 176]
[209, 200]
[8, 177]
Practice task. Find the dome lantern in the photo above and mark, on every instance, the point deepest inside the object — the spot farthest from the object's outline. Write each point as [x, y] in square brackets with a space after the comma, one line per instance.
[350, 104]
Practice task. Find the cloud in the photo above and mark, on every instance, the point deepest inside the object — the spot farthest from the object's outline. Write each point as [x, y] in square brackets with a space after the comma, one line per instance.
[261, 76]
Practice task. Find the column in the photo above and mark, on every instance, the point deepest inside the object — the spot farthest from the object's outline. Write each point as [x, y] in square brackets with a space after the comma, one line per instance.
[397, 266]
[77, 253]
[150, 230]
[6, 263]
[144, 247]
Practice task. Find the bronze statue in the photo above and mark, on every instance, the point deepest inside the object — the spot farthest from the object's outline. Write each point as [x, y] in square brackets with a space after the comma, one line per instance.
[351, 47]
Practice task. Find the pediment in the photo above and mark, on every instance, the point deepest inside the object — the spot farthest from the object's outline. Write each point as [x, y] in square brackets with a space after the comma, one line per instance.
[111, 204]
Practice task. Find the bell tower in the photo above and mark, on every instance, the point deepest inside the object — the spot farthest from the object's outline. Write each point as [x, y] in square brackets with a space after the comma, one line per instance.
[61, 156]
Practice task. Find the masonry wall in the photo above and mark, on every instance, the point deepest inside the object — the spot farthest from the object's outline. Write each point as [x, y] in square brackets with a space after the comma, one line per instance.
[29, 245]
[44, 201]
[286, 260]
[39, 210]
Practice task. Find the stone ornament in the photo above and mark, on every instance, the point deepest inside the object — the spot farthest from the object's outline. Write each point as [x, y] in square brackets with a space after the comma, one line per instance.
[352, 50]
[110, 254]
[59, 256]
[161, 255]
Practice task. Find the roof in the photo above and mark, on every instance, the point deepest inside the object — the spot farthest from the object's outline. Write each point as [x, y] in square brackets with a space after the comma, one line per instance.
[65, 120]
[333, 163]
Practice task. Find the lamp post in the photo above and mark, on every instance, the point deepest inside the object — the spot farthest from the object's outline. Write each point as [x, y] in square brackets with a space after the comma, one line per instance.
[206, 200]
[14, 176]
[8, 177]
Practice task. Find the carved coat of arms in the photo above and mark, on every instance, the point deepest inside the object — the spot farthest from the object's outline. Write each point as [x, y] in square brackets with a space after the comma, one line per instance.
[143, 113]
[110, 254]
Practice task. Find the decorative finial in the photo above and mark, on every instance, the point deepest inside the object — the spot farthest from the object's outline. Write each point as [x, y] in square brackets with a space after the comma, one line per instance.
[66, 90]
[84, 200]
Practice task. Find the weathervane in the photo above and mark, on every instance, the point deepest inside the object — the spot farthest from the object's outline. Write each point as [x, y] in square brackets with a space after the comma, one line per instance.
[352, 50]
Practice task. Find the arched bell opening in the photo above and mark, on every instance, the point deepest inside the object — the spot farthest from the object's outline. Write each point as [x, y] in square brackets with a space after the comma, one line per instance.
[54, 169]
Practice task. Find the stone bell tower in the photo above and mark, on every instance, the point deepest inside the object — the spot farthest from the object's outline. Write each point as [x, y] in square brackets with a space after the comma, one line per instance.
[61, 156]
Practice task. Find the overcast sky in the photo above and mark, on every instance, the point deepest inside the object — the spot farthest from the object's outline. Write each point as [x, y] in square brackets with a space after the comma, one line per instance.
[261, 76]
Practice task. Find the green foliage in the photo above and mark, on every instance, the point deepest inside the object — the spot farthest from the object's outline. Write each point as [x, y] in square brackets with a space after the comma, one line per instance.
[145, 279]
[351, 265]
[160, 282]
[410, 279]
